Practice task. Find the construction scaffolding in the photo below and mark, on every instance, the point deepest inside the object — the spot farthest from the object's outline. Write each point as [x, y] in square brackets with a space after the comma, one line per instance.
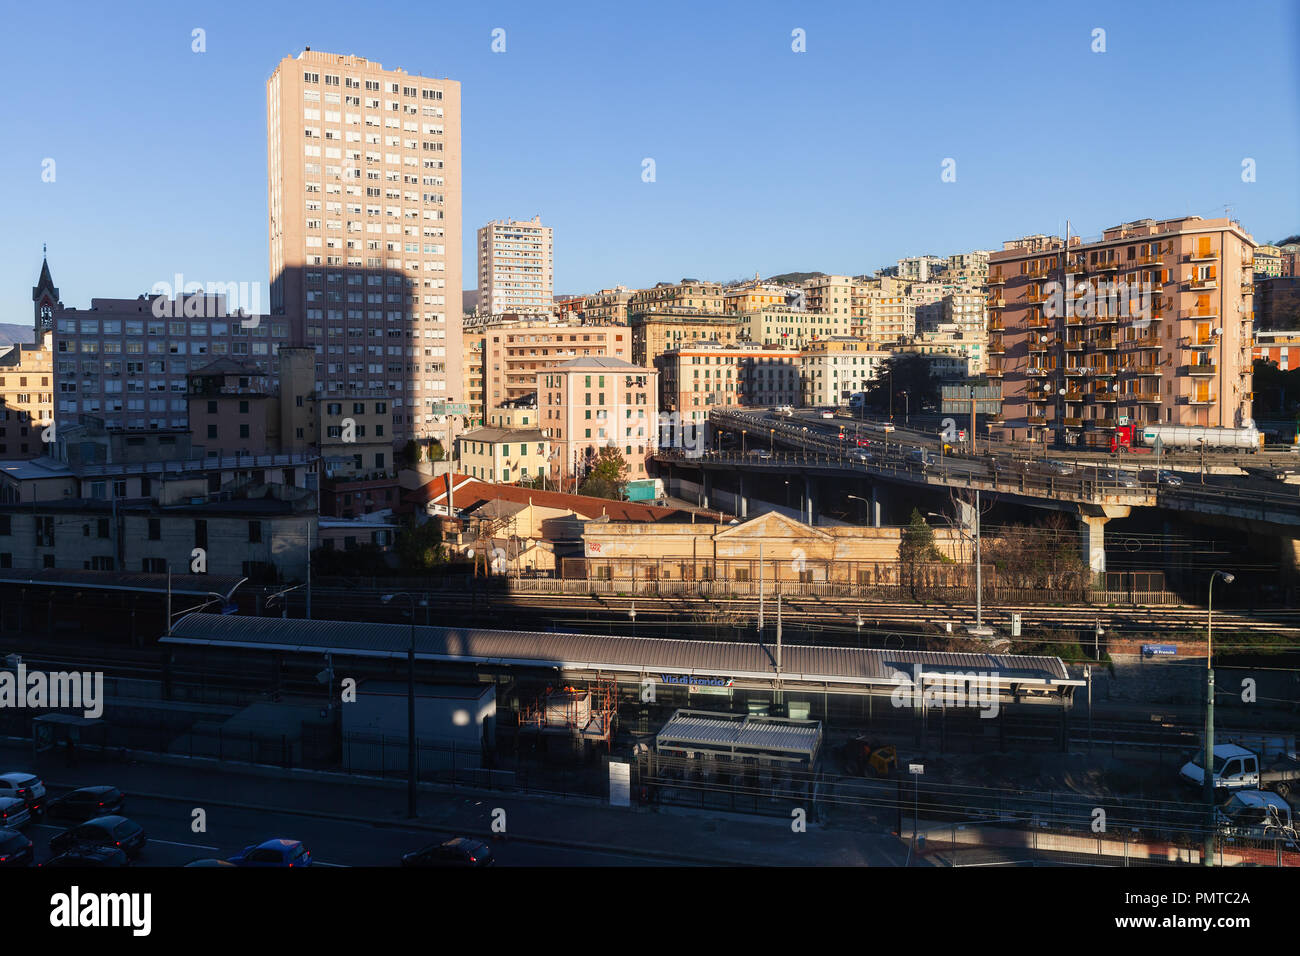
[571, 711]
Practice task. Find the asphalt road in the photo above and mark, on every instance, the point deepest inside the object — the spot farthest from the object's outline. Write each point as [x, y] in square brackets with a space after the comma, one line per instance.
[172, 841]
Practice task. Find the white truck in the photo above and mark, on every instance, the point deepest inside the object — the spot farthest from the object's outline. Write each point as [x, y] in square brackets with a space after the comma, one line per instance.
[1258, 815]
[1239, 768]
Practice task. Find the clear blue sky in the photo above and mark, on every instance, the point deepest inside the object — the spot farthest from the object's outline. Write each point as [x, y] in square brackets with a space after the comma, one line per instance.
[767, 160]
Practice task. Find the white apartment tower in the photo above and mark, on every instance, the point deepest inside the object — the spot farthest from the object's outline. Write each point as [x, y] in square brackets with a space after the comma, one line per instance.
[516, 271]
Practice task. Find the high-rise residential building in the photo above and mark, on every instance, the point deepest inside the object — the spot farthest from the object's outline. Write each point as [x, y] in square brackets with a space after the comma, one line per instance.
[921, 268]
[655, 331]
[830, 295]
[701, 376]
[364, 190]
[125, 361]
[1268, 261]
[1149, 324]
[516, 268]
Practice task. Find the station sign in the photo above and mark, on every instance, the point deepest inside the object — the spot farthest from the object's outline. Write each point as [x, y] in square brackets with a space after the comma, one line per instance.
[1159, 650]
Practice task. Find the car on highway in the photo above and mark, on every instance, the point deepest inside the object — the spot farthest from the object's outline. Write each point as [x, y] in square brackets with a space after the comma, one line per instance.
[1116, 476]
[1160, 477]
[828, 414]
[277, 852]
[860, 454]
[86, 804]
[461, 851]
[14, 812]
[1054, 467]
[15, 849]
[762, 454]
[887, 428]
[114, 831]
[87, 854]
[25, 785]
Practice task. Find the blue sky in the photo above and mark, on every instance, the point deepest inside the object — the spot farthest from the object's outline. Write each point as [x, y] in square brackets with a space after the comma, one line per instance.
[766, 160]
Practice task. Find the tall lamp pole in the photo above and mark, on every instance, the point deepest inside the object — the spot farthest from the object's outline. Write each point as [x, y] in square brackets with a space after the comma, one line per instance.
[410, 706]
[1207, 854]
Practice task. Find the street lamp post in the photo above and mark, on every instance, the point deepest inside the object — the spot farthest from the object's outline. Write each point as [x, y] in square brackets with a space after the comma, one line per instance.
[1207, 780]
[410, 706]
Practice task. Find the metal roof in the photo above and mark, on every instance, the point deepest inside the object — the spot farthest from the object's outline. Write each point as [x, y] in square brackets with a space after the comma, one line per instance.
[740, 732]
[596, 652]
[123, 581]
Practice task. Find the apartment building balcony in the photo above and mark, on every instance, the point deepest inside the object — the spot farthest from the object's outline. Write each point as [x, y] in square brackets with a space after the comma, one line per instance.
[1145, 398]
[1200, 398]
[994, 372]
[1074, 345]
[1039, 394]
[1203, 315]
[996, 324]
[1036, 419]
[997, 280]
[1073, 395]
[1103, 423]
[1039, 322]
[1076, 264]
[1073, 421]
[1105, 319]
[1038, 371]
[1203, 255]
[1200, 368]
[997, 348]
[1109, 266]
[1146, 261]
[1202, 284]
[1104, 371]
[997, 302]
[1075, 370]
[1108, 397]
[1105, 343]
[1197, 342]
[1036, 345]
[1073, 319]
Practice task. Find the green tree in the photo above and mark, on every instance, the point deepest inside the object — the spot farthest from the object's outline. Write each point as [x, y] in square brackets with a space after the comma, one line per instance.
[906, 373]
[916, 548]
[436, 452]
[411, 452]
[607, 476]
[419, 547]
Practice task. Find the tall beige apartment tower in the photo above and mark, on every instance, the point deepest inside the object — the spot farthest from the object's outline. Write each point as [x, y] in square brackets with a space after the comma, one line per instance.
[364, 181]
[516, 269]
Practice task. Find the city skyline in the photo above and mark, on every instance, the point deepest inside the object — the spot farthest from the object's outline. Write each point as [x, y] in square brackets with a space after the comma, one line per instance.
[712, 174]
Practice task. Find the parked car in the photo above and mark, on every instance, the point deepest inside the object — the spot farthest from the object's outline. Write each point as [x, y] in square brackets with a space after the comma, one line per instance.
[14, 812]
[210, 861]
[1160, 477]
[114, 831]
[15, 849]
[87, 854]
[86, 804]
[25, 785]
[286, 853]
[461, 851]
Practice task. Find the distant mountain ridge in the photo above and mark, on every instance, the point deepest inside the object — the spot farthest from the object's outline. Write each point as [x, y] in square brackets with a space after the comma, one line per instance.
[13, 334]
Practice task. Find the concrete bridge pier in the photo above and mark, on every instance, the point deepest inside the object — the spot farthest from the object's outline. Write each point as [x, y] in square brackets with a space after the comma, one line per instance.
[742, 495]
[877, 506]
[810, 496]
[1092, 524]
[706, 488]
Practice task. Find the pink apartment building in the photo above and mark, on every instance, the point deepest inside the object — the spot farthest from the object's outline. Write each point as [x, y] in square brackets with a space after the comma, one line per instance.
[586, 404]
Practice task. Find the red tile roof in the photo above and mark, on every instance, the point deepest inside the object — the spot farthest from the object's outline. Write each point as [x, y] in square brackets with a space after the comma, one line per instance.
[471, 491]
